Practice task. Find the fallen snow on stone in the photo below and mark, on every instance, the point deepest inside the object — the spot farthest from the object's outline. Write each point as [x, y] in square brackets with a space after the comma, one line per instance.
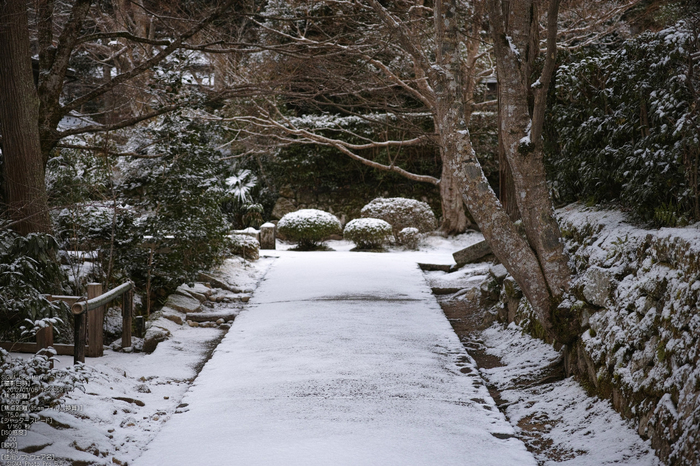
[465, 277]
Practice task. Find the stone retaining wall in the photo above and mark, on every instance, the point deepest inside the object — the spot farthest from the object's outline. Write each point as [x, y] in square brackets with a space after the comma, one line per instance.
[638, 294]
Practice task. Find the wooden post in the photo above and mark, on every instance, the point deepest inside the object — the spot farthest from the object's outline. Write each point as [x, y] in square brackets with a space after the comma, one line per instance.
[79, 338]
[44, 337]
[95, 322]
[127, 312]
[140, 326]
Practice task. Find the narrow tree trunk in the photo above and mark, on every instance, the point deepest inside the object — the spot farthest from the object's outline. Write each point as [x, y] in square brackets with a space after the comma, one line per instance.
[506, 189]
[19, 110]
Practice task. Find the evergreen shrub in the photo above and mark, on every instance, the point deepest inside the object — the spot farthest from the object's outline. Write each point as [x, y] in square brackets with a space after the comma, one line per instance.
[308, 227]
[401, 213]
[624, 127]
[245, 246]
[409, 237]
[180, 195]
[37, 377]
[368, 233]
[29, 268]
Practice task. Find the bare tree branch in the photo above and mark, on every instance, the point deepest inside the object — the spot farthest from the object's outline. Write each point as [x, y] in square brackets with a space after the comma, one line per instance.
[122, 35]
[119, 125]
[148, 64]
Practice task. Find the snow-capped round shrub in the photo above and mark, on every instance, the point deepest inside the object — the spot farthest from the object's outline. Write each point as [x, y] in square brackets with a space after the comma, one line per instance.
[368, 233]
[308, 227]
[401, 213]
[245, 246]
[409, 237]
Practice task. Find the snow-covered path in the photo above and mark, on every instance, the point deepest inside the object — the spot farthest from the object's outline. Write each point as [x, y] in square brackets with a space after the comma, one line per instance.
[342, 358]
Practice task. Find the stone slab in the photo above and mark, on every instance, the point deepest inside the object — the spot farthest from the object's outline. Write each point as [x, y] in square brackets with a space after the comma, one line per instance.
[434, 267]
[472, 253]
[211, 316]
[183, 303]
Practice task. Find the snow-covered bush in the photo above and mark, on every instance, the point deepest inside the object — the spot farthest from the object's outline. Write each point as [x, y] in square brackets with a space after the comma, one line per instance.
[308, 227]
[409, 237]
[106, 230]
[625, 127]
[29, 268]
[245, 246]
[368, 233]
[32, 385]
[401, 213]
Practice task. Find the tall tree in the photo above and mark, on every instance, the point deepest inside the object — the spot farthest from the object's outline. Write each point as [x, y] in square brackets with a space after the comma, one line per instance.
[516, 46]
[537, 262]
[121, 41]
[19, 111]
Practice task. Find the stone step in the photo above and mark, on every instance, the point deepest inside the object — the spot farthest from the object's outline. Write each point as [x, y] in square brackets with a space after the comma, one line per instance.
[434, 267]
[211, 316]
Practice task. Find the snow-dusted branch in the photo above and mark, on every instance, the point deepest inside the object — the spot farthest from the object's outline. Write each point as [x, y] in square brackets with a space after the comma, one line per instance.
[584, 23]
[147, 64]
[288, 131]
[119, 125]
[111, 153]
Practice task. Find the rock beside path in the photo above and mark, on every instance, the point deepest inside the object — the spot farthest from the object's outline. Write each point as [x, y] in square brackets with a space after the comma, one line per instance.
[472, 253]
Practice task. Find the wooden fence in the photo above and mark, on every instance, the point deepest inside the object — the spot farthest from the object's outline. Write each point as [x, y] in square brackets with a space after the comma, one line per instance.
[89, 318]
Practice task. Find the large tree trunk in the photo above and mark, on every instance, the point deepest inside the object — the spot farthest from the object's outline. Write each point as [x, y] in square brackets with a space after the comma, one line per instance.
[454, 218]
[533, 262]
[516, 45]
[19, 115]
[495, 224]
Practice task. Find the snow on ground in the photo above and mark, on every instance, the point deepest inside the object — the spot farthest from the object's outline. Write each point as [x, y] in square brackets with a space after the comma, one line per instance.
[131, 396]
[578, 430]
[341, 358]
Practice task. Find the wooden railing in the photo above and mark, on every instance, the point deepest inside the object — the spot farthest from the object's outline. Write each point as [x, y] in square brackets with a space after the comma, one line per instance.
[89, 318]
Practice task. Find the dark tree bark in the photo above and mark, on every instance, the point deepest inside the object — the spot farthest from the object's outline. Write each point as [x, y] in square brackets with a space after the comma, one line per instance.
[534, 262]
[514, 30]
[25, 191]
